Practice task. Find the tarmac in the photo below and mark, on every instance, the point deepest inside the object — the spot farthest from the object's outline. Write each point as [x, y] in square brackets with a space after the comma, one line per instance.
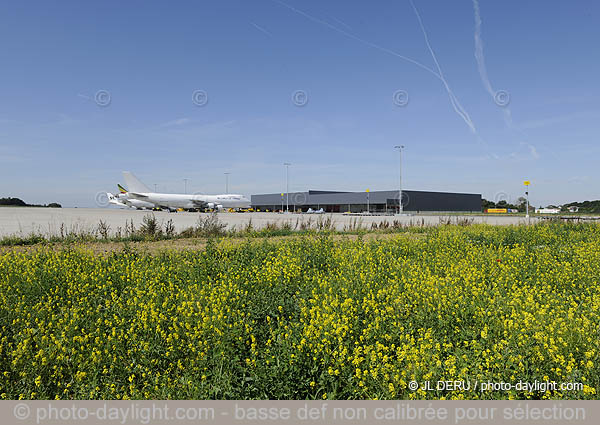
[23, 221]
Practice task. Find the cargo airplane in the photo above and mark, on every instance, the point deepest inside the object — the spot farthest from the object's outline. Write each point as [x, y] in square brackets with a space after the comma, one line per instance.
[138, 191]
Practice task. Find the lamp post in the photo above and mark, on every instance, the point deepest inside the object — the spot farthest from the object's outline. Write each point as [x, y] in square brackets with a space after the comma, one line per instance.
[155, 185]
[527, 183]
[185, 185]
[287, 186]
[368, 206]
[227, 182]
[400, 208]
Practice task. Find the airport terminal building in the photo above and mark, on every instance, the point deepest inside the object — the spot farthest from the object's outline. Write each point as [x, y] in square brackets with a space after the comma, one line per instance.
[376, 201]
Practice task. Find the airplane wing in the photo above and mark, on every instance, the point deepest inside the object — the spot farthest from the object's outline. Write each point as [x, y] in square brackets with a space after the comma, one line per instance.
[138, 195]
[199, 203]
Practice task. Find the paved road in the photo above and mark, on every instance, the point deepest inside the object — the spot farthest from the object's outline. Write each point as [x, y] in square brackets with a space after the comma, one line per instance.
[48, 221]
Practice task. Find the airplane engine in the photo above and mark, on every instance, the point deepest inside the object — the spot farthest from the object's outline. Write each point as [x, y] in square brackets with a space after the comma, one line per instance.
[214, 206]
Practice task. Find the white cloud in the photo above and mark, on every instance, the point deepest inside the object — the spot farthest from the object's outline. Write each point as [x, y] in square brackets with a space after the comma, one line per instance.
[174, 123]
[558, 119]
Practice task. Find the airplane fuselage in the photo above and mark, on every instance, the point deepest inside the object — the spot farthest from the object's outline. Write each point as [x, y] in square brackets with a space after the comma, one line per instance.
[171, 200]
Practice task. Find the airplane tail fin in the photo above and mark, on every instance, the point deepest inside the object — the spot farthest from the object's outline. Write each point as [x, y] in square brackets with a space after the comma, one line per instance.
[113, 200]
[121, 188]
[133, 184]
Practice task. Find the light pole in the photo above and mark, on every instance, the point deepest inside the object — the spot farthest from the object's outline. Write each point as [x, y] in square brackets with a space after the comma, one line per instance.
[527, 183]
[287, 186]
[185, 185]
[400, 208]
[155, 191]
[227, 182]
[368, 206]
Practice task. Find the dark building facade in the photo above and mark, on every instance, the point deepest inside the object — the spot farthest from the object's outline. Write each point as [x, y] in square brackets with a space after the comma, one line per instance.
[376, 201]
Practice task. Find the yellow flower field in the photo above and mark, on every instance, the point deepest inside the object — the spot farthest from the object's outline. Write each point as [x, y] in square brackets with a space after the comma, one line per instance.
[311, 317]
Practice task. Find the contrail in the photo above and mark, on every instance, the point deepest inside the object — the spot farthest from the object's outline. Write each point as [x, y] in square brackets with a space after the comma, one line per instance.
[261, 29]
[479, 51]
[354, 37]
[480, 58]
[458, 108]
[339, 21]
[453, 99]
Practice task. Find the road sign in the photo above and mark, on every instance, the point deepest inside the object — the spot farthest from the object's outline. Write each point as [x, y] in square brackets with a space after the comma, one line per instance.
[526, 182]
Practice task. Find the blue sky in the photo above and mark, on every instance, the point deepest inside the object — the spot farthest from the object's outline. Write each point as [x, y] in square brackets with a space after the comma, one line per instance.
[59, 60]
